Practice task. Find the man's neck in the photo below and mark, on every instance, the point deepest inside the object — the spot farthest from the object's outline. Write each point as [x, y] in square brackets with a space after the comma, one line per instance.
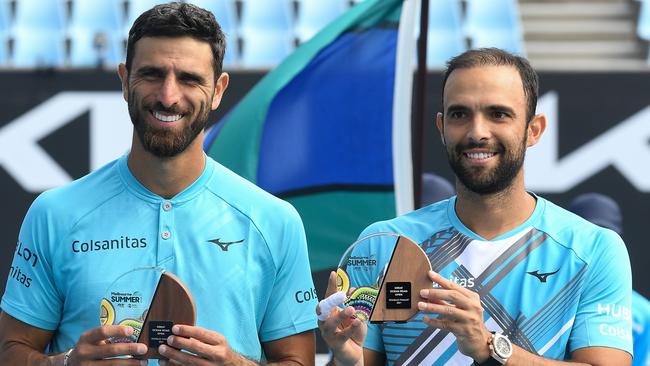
[490, 216]
[167, 177]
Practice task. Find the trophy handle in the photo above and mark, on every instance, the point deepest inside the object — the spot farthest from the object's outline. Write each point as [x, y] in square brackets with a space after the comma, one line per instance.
[172, 303]
[406, 275]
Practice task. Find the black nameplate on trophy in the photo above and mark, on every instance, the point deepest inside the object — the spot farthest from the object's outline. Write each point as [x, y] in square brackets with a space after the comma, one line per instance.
[159, 331]
[398, 295]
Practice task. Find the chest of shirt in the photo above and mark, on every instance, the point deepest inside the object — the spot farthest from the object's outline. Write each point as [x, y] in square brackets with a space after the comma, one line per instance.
[205, 248]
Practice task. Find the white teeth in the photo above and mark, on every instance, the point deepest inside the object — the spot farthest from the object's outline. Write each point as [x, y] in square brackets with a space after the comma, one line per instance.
[480, 155]
[165, 118]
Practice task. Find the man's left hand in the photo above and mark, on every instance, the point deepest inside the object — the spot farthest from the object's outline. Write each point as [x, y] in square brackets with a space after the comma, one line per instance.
[459, 312]
[206, 347]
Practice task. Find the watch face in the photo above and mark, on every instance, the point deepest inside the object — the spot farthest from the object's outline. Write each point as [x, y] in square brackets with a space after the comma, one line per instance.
[502, 347]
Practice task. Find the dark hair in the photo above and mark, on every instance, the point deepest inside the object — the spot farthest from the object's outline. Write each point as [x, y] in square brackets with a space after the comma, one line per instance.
[177, 20]
[498, 57]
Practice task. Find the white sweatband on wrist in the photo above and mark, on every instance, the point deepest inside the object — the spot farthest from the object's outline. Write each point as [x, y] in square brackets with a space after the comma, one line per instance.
[326, 305]
[66, 356]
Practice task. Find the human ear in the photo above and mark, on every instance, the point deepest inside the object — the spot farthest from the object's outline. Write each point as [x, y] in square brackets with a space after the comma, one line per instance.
[536, 128]
[441, 127]
[220, 87]
[124, 78]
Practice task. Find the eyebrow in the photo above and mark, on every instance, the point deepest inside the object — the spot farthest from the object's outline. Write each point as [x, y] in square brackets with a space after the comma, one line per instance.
[490, 108]
[149, 70]
[184, 75]
[457, 107]
[191, 76]
[501, 108]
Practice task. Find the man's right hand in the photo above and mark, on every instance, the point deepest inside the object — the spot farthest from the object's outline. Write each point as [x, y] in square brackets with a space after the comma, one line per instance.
[23, 344]
[343, 333]
[94, 345]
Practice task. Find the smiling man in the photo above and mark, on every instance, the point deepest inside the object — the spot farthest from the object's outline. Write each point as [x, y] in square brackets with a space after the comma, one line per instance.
[241, 252]
[542, 285]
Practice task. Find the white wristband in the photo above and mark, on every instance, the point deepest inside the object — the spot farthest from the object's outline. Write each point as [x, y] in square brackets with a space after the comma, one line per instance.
[66, 356]
[326, 305]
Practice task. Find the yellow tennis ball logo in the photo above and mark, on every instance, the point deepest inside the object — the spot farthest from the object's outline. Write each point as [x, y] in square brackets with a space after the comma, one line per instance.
[106, 313]
[342, 281]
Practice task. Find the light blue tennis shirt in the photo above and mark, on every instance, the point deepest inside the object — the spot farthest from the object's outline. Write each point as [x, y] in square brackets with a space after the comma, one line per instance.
[641, 329]
[241, 252]
[553, 285]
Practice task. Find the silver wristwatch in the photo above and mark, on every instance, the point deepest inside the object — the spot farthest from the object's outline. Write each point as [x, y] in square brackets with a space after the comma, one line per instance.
[500, 347]
[66, 356]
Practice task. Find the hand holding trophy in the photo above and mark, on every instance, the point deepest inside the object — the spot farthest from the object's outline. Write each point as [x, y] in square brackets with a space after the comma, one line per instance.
[378, 280]
[150, 300]
[382, 275]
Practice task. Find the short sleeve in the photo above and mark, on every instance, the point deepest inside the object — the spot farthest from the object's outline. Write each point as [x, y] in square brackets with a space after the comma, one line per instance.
[604, 316]
[292, 306]
[374, 340]
[31, 295]
[641, 329]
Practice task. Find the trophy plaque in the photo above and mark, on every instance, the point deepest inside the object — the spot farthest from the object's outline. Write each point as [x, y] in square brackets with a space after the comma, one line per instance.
[151, 301]
[382, 275]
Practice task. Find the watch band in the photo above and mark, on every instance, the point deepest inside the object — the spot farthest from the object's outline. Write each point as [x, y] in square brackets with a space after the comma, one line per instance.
[489, 362]
[496, 358]
[66, 357]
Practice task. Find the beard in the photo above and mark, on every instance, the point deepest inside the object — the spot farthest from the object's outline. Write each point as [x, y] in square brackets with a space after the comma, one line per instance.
[165, 143]
[484, 181]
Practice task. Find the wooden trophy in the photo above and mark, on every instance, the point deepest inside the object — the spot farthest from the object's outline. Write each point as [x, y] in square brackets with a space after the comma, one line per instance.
[150, 300]
[405, 276]
[172, 303]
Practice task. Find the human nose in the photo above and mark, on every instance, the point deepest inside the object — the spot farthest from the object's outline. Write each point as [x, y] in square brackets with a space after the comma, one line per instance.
[170, 92]
[479, 129]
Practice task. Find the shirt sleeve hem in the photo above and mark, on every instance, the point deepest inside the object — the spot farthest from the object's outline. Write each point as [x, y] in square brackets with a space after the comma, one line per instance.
[623, 347]
[295, 328]
[25, 317]
[372, 347]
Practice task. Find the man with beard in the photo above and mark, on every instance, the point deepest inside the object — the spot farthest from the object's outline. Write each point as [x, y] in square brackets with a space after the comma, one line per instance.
[240, 251]
[516, 279]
